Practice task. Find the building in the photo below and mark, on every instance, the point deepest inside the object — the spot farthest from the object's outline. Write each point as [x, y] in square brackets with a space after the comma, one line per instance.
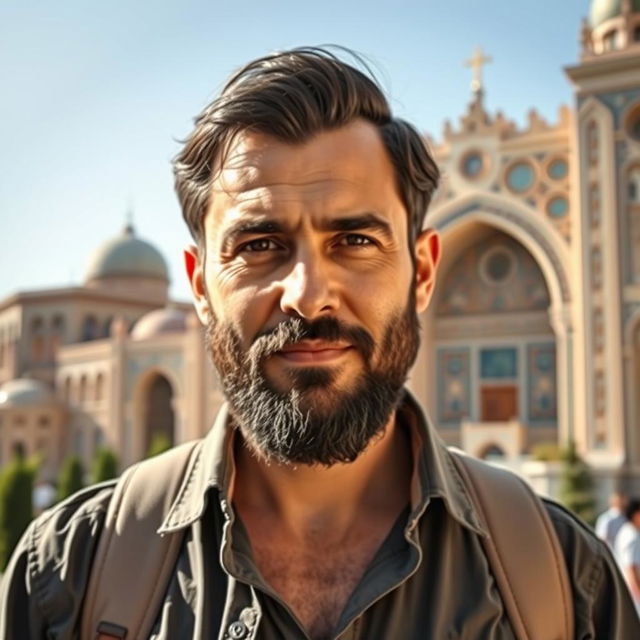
[533, 335]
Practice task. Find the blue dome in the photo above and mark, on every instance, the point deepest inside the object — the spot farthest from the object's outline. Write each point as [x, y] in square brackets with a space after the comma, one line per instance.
[127, 255]
[603, 10]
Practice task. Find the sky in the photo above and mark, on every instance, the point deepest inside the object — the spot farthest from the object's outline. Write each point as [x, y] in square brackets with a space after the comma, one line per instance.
[94, 98]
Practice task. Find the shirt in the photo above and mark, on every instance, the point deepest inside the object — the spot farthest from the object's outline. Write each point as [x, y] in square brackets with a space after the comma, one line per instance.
[429, 580]
[608, 525]
[628, 549]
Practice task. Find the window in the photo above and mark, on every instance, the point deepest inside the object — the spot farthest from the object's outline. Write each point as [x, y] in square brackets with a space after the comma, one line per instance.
[497, 265]
[89, 329]
[499, 363]
[558, 207]
[520, 177]
[472, 165]
[37, 339]
[610, 41]
[558, 169]
[633, 186]
[99, 390]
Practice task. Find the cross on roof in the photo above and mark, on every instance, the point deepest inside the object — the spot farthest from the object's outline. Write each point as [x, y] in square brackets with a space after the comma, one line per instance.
[477, 62]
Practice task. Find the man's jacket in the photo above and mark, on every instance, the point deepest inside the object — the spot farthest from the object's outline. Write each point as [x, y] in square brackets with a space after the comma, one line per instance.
[429, 579]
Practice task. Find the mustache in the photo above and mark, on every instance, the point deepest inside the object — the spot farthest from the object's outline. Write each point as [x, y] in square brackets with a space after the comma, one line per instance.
[293, 330]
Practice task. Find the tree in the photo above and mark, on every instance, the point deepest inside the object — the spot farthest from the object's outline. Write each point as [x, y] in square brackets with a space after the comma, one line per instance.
[159, 443]
[105, 465]
[576, 485]
[16, 509]
[71, 477]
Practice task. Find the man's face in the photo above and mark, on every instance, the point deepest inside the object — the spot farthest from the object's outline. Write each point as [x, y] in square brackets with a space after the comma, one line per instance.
[309, 292]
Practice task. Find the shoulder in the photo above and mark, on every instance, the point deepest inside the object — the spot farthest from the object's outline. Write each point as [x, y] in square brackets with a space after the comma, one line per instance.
[50, 567]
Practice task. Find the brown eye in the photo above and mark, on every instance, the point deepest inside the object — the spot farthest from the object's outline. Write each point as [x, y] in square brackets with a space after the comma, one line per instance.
[356, 240]
[260, 245]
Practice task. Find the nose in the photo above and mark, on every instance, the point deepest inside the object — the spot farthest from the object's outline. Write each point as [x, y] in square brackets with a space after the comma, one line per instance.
[309, 290]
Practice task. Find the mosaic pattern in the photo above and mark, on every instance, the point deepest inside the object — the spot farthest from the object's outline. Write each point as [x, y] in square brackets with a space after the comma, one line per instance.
[499, 363]
[541, 378]
[466, 291]
[454, 385]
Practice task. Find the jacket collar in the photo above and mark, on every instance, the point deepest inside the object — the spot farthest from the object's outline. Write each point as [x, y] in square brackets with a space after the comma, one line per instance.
[435, 475]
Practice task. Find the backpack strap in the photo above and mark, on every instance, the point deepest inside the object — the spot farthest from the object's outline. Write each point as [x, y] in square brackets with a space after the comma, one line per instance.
[523, 551]
[133, 563]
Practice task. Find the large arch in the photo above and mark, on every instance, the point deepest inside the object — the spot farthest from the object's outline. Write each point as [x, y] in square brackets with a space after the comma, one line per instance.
[459, 217]
[156, 404]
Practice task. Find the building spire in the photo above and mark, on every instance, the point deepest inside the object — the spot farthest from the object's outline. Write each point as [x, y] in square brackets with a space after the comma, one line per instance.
[476, 63]
[128, 227]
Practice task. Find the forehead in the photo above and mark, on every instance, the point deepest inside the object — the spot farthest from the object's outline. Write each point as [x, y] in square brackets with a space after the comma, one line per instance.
[335, 170]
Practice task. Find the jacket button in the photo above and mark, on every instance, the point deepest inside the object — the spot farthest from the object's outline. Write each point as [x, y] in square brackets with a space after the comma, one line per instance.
[237, 630]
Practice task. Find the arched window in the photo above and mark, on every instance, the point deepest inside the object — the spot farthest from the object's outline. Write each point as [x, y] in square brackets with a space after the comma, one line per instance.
[159, 419]
[82, 389]
[99, 389]
[610, 40]
[66, 389]
[592, 143]
[57, 334]
[89, 329]
[492, 452]
[37, 339]
[633, 185]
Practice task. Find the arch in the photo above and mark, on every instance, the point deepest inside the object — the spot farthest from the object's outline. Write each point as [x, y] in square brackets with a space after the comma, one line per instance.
[523, 223]
[155, 409]
[90, 328]
[58, 328]
[99, 388]
[36, 338]
[491, 451]
[82, 389]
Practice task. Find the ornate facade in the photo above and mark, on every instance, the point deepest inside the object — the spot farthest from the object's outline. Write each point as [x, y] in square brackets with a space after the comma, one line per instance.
[533, 335]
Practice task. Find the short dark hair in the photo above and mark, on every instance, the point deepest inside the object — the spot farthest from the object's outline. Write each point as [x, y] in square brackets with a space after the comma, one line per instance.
[292, 96]
[632, 507]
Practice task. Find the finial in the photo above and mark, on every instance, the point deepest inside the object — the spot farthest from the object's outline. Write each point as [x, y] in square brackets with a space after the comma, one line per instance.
[476, 63]
[128, 229]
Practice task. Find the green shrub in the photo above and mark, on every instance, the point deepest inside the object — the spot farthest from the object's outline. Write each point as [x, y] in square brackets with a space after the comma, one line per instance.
[105, 465]
[576, 485]
[547, 452]
[71, 478]
[16, 508]
[159, 443]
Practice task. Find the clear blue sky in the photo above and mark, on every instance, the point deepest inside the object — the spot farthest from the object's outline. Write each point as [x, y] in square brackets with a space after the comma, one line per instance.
[94, 95]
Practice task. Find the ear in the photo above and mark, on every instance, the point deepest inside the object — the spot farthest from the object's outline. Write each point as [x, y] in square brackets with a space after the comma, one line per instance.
[427, 258]
[194, 265]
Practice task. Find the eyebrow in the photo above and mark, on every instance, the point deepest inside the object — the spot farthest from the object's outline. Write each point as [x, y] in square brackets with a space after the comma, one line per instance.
[361, 222]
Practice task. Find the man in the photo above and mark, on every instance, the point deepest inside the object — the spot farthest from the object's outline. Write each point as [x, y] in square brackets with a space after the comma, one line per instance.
[322, 505]
[609, 522]
[627, 549]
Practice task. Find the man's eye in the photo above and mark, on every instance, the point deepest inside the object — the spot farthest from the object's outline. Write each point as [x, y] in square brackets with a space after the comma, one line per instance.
[355, 240]
[260, 245]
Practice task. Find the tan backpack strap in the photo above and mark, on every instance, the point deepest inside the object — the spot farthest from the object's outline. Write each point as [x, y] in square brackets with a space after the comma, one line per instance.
[523, 551]
[133, 563]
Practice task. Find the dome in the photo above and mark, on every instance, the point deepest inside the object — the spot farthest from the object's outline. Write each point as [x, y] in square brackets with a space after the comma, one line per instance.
[128, 256]
[24, 392]
[158, 322]
[602, 10]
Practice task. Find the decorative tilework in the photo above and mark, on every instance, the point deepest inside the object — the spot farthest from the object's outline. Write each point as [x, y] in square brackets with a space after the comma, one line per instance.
[454, 385]
[541, 382]
[499, 363]
[465, 291]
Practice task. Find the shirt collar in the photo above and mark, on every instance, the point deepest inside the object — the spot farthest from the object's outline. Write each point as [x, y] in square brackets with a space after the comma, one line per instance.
[435, 475]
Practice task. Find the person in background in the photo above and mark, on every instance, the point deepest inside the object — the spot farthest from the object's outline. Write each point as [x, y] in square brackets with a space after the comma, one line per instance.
[627, 549]
[610, 521]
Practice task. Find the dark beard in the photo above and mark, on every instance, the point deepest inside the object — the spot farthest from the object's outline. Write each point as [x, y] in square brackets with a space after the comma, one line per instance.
[314, 422]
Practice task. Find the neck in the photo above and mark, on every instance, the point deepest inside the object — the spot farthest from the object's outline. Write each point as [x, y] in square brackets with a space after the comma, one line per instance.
[309, 500]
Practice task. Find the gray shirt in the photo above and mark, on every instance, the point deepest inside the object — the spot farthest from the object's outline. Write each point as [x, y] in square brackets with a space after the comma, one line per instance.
[429, 579]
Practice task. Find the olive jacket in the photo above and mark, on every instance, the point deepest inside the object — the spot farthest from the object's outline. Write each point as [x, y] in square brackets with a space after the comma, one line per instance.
[429, 579]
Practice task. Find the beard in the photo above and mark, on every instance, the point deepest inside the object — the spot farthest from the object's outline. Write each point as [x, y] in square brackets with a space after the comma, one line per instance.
[313, 421]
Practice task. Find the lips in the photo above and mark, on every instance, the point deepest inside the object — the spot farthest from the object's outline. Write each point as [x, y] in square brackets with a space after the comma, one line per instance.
[313, 351]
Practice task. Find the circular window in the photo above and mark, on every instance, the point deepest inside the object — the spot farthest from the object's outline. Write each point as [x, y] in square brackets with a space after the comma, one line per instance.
[472, 165]
[558, 207]
[520, 177]
[558, 169]
[497, 265]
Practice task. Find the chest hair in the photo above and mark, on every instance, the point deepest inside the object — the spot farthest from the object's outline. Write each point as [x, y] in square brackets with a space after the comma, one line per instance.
[316, 580]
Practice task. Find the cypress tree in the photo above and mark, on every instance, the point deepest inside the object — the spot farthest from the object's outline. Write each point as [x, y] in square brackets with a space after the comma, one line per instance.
[70, 479]
[105, 465]
[576, 485]
[16, 508]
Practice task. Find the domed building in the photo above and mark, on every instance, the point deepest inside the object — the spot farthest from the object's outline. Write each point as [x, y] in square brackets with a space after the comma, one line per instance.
[112, 362]
[532, 337]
